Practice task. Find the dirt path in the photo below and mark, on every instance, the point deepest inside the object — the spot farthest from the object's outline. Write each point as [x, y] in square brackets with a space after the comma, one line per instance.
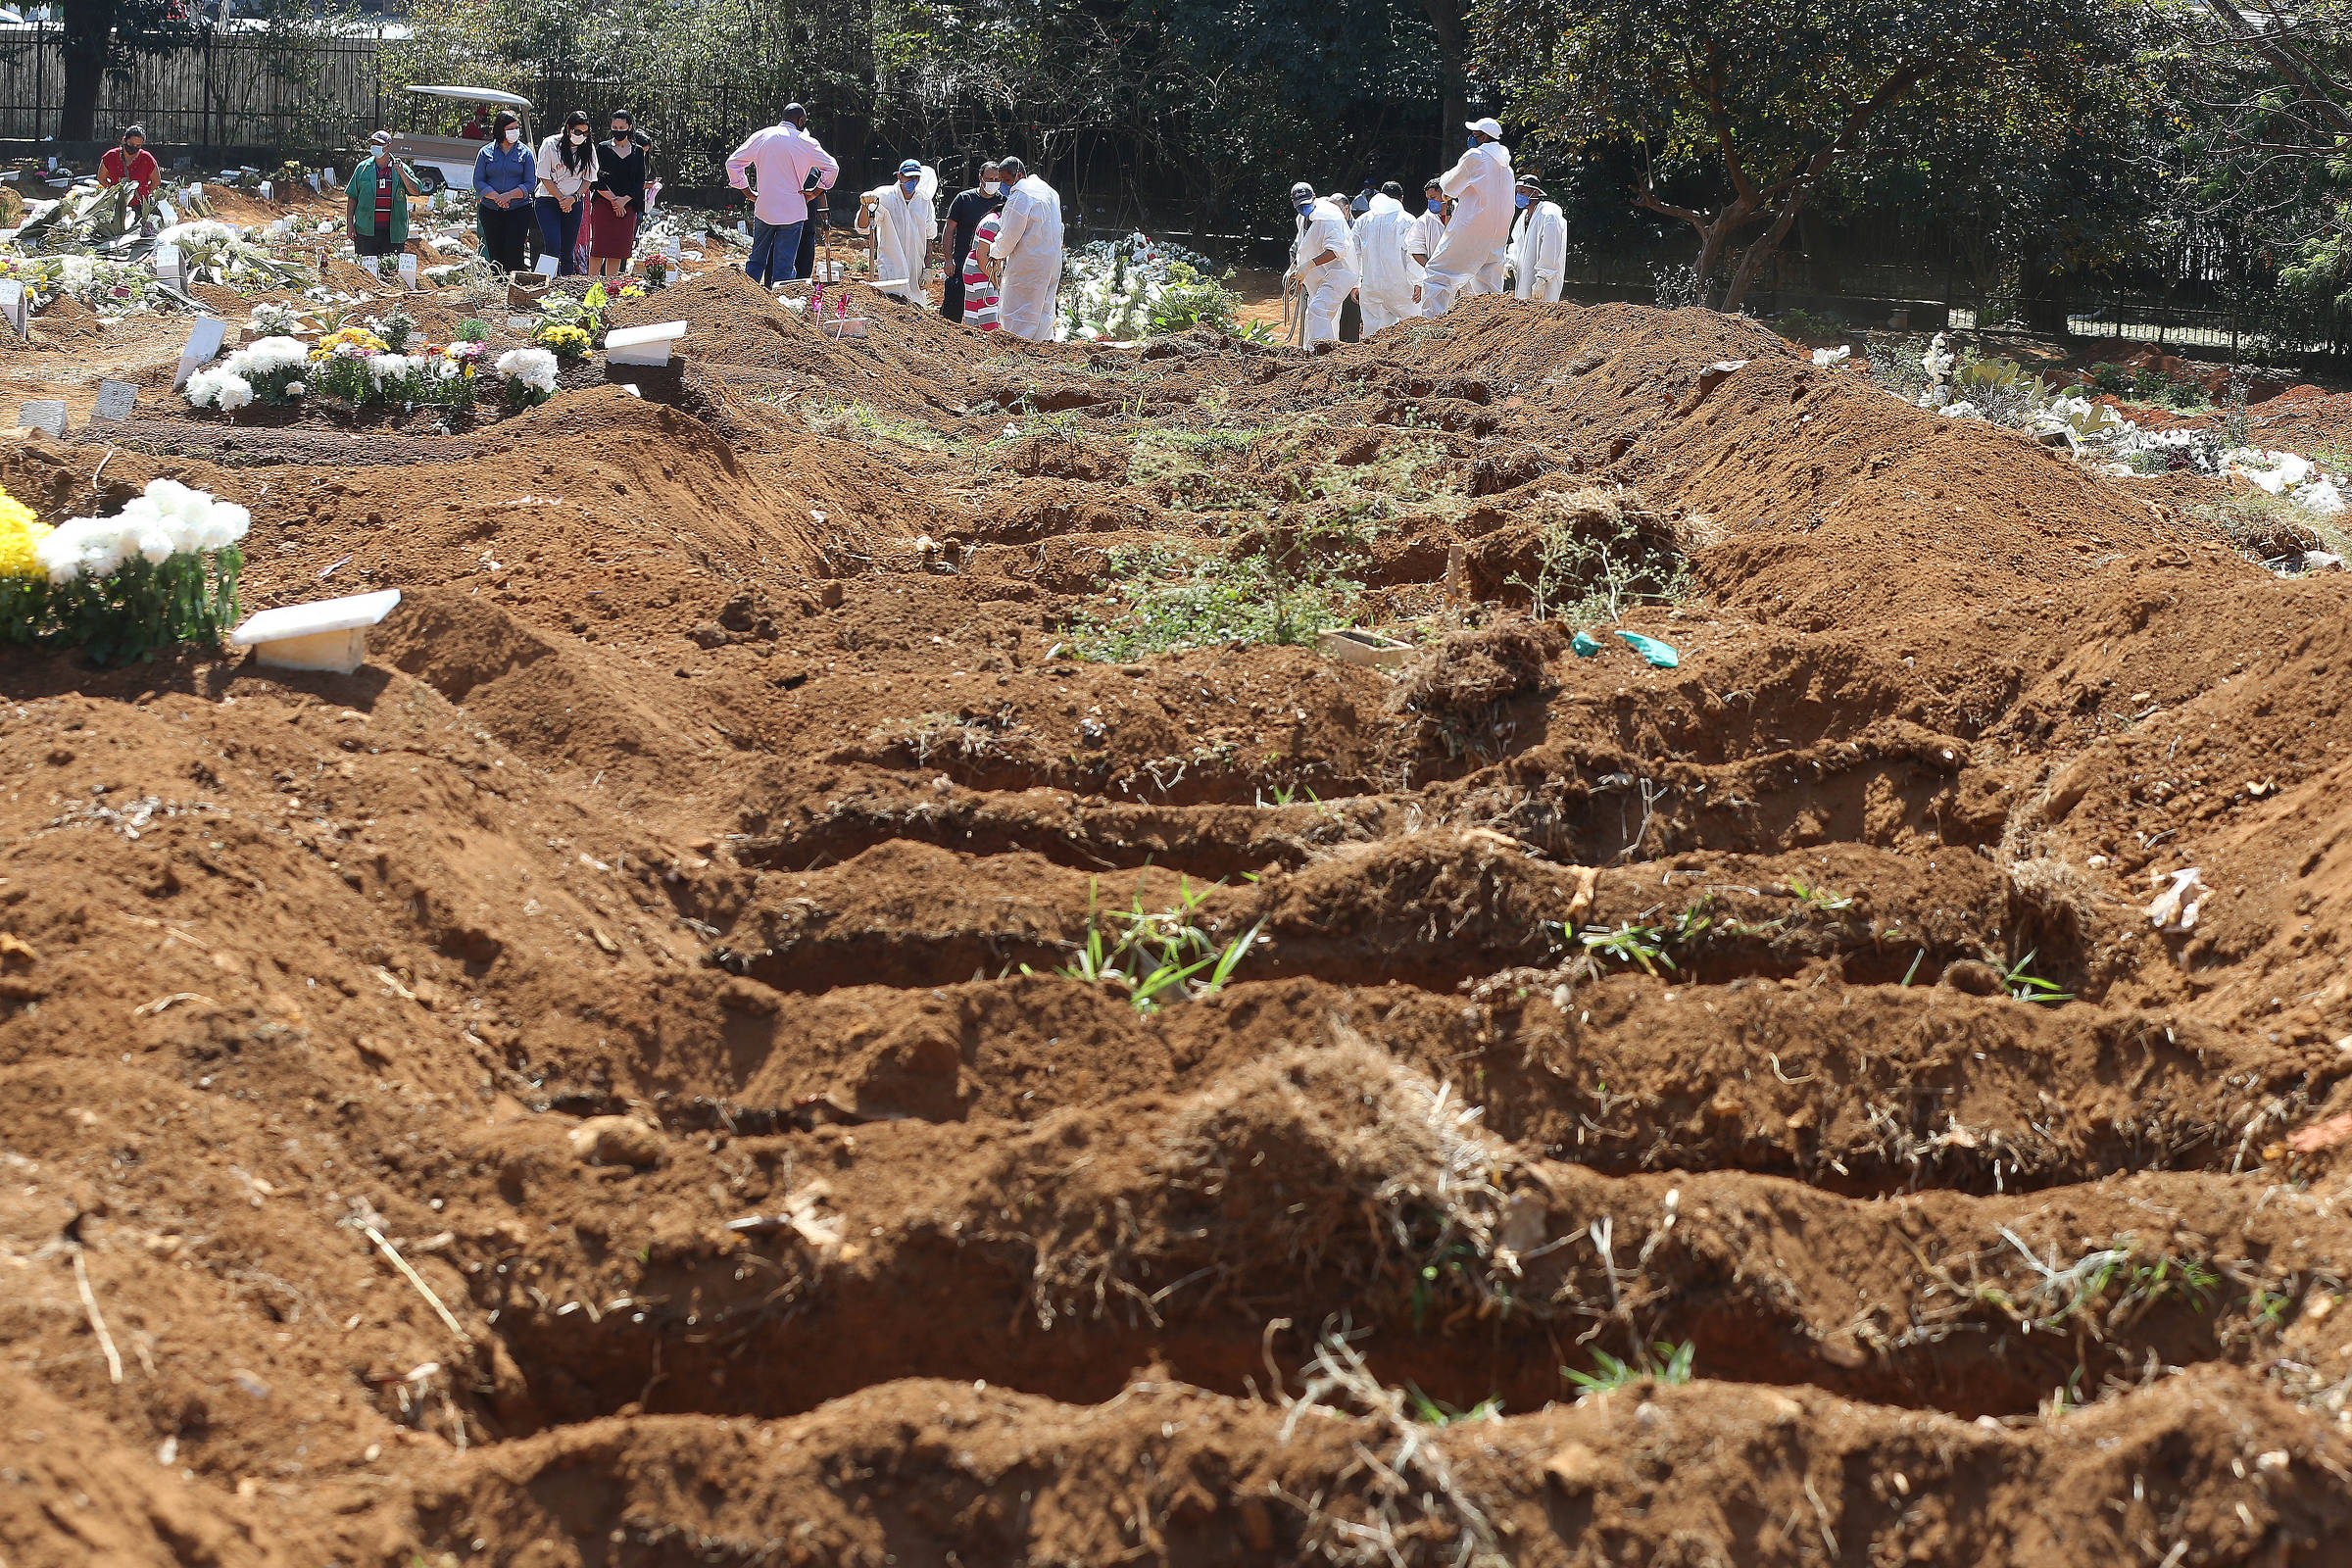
[613, 1081]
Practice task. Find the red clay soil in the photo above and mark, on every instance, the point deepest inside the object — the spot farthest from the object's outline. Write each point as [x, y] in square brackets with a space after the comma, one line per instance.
[608, 1082]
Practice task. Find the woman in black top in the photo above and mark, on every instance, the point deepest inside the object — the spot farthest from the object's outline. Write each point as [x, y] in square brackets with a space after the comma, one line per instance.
[620, 199]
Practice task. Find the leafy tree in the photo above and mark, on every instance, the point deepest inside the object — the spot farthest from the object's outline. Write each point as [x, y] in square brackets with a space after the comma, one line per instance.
[1742, 110]
[100, 35]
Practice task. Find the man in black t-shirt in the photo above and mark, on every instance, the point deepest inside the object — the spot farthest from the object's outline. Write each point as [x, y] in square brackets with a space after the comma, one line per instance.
[963, 217]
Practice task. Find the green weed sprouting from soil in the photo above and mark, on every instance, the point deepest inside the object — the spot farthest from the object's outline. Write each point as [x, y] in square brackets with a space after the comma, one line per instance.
[1167, 598]
[1438, 1413]
[1156, 957]
[1671, 1367]
[1593, 561]
[863, 421]
[2024, 985]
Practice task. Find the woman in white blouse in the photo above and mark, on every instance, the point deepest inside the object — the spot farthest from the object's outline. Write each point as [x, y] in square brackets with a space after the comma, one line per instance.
[567, 170]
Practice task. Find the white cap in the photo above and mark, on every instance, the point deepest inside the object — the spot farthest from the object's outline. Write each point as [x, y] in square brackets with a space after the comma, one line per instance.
[1489, 126]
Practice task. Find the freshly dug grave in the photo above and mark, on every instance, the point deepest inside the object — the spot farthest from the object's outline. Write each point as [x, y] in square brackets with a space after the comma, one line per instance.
[618, 1079]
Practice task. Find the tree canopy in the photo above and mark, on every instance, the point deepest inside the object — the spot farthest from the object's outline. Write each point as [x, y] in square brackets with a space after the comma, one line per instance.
[1739, 112]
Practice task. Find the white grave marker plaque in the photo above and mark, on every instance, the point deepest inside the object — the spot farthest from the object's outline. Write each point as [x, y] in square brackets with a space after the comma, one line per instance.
[166, 265]
[547, 264]
[115, 399]
[642, 345]
[268, 191]
[12, 302]
[408, 270]
[331, 634]
[204, 341]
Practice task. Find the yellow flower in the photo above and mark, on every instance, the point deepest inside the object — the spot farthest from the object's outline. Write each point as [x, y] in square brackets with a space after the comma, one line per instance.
[20, 532]
[352, 337]
[565, 340]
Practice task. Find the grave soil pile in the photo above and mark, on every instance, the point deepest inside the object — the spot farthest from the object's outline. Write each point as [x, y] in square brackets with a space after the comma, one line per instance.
[601, 1085]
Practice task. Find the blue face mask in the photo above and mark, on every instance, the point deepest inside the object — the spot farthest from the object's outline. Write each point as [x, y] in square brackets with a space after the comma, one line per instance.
[1520, 200]
[907, 185]
[1305, 208]
[1473, 140]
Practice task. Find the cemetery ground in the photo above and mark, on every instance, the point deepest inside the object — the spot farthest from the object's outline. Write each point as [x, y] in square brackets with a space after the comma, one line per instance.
[856, 980]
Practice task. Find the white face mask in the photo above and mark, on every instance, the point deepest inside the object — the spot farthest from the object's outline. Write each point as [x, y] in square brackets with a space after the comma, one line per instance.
[990, 187]
[577, 137]
[514, 133]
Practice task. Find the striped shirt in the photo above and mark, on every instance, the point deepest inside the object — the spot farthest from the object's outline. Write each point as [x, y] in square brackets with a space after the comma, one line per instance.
[979, 294]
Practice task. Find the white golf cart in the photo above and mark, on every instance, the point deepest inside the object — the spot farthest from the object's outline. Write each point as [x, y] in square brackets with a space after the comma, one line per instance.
[448, 161]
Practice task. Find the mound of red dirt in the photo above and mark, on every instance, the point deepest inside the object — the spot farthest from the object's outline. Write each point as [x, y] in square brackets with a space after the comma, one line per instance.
[726, 1040]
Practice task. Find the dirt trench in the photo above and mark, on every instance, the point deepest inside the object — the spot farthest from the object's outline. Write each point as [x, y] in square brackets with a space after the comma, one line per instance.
[646, 1070]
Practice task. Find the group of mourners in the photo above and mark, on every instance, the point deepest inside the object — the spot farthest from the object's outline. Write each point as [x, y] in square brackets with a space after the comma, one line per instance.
[1001, 254]
[581, 199]
[1482, 230]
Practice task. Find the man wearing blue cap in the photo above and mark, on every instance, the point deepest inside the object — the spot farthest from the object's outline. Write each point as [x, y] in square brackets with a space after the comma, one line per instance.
[903, 223]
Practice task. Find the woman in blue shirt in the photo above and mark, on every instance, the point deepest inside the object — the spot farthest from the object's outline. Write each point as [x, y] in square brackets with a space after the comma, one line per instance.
[505, 178]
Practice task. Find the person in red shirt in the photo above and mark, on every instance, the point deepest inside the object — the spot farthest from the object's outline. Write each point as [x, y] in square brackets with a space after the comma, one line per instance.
[132, 162]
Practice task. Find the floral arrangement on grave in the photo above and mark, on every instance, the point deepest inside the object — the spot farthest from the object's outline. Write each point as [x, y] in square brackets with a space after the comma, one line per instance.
[162, 570]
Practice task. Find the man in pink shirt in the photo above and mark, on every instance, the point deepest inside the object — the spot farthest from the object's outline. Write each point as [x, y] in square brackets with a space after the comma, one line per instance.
[791, 165]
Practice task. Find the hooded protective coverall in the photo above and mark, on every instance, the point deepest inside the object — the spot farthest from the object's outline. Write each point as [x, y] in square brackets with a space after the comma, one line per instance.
[1481, 186]
[903, 227]
[1385, 238]
[1324, 227]
[1540, 252]
[1030, 245]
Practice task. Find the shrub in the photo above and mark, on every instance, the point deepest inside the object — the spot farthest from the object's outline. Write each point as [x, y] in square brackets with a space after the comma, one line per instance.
[162, 570]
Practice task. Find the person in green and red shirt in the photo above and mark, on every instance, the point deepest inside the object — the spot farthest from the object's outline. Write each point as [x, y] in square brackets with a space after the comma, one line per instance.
[131, 161]
[375, 203]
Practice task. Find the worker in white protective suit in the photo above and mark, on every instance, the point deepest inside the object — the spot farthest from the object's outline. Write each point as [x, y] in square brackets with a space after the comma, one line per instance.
[1389, 276]
[1028, 246]
[903, 223]
[1539, 244]
[1469, 259]
[1322, 261]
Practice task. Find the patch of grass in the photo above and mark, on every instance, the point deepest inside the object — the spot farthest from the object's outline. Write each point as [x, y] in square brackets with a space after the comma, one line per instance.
[1167, 598]
[1438, 1413]
[1156, 957]
[1671, 1367]
[1628, 944]
[2024, 985]
[862, 421]
[2272, 531]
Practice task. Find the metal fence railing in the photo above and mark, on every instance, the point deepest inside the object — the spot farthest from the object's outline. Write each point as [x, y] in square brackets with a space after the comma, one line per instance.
[236, 84]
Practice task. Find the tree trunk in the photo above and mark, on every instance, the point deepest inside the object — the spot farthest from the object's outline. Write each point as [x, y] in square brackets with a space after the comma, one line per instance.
[1445, 19]
[89, 27]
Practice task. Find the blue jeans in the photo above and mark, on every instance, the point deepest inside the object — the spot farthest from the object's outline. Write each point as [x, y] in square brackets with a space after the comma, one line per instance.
[559, 230]
[775, 253]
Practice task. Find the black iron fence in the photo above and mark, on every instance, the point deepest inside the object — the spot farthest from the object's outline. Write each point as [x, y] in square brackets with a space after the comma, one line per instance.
[238, 83]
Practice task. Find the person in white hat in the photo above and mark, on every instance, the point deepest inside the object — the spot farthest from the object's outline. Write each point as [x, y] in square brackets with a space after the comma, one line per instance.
[1479, 228]
[1539, 244]
[904, 224]
[1322, 260]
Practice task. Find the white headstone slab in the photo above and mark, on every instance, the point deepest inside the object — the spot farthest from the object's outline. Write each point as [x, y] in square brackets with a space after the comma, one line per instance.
[12, 302]
[166, 213]
[547, 264]
[314, 181]
[745, 229]
[698, 237]
[53, 165]
[331, 174]
[196, 191]
[45, 414]
[331, 634]
[669, 248]
[204, 341]
[642, 345]
[166, 265]
[408, 270]
[115, 399]
[268, 191]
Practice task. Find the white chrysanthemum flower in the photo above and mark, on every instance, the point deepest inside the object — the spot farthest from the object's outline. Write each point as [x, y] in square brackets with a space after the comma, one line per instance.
[293, 389]
[232, 392]
[226, 524]
[535, 368]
